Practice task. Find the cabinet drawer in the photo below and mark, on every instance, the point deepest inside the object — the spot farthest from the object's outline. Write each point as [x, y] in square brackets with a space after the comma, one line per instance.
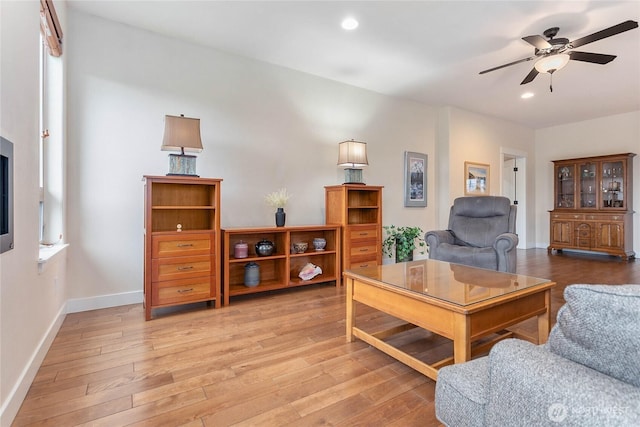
[364, 249]
[179, 291]
[180, 267]
[363, 233]
[180, 245]
[567, 216]
[357, 262]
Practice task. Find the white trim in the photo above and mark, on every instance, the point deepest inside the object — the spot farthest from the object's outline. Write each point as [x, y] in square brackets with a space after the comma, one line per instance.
[47, 253]
[16, 396]
[104, 301]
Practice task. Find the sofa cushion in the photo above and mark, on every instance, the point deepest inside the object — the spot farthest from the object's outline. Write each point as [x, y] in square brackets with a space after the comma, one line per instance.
[531, 386]
[462, 392]
[599, 327]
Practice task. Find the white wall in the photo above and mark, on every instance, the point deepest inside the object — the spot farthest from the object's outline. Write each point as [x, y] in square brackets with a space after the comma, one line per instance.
[263, 127]
[31, 303]
[606, 135]
[482, 139]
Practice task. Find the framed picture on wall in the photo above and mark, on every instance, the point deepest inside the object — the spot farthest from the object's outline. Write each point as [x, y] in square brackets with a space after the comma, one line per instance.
[415, 179]
[476, 179]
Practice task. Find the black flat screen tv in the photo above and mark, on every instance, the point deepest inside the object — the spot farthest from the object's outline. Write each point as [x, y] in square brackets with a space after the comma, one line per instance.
[6, 195]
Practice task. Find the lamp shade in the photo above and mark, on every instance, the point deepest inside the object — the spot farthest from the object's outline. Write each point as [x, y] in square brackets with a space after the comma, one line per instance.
[552, 63]
[181, 133]
[353, 154]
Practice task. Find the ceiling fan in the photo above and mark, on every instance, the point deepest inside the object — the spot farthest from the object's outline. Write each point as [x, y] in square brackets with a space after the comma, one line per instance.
[554, 53]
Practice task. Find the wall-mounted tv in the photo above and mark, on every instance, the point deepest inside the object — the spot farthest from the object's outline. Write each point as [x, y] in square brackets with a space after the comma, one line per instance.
[6, 195]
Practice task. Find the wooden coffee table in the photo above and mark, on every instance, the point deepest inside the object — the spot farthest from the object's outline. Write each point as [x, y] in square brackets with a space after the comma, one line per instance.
[458, 302]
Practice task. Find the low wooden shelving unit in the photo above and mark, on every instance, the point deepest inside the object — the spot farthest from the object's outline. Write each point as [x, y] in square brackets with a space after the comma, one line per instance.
[280, 270]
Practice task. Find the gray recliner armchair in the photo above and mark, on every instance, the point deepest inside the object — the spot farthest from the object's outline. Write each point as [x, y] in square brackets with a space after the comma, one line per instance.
[481, 234]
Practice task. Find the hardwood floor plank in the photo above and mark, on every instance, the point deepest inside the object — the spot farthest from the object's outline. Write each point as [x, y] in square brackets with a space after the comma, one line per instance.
[158, 408]
[280, 358]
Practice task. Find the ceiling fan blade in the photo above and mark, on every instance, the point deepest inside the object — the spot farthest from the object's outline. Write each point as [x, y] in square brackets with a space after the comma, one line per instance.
[607, 32]
[596, 58]
[509, 64]
[532, 75]
[537, 41]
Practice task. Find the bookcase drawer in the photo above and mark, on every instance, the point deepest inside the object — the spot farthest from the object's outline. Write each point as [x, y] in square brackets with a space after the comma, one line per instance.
[180, 245]
[181, 291]
[180, 268]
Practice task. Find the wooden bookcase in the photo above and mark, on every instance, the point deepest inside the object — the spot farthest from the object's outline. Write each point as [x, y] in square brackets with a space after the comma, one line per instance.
[181, 241]
[593, 205]
[358, 210]
[279, 270]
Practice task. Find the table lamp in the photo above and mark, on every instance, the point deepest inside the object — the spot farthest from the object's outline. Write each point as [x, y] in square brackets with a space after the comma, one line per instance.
[181, 134]
[353, 154]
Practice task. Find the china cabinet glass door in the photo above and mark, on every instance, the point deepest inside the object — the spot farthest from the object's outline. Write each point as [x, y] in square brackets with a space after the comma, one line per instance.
[612, 184]
[588, 185]
[565, 185]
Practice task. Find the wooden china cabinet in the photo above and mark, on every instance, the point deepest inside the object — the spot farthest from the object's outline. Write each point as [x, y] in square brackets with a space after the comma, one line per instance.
[593, 205]
[181, 241]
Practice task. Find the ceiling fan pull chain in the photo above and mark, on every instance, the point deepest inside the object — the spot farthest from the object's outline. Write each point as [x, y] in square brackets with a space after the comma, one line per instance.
[551, 82]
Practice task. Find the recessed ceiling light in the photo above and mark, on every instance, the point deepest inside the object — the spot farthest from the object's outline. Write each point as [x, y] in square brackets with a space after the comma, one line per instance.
[527, 95]
[350, 24]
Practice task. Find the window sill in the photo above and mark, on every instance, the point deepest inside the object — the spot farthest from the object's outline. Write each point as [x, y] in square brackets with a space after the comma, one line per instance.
[48, 253]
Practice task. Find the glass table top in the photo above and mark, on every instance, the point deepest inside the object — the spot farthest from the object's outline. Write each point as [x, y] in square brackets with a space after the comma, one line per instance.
[454, 283]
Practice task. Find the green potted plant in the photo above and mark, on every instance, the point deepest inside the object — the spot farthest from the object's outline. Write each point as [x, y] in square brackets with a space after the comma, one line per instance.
[402, 241]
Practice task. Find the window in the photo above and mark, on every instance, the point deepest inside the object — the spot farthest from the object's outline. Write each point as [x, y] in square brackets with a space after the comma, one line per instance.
[52, 130]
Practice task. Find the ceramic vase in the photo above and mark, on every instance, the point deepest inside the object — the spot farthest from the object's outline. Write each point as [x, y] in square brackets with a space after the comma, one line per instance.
[251, 274]
[280, 217]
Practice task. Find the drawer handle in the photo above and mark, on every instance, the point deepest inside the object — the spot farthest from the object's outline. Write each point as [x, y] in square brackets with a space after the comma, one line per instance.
[364, 234]
[187, 267]
[185, 245]
[363, 265]
[364, 250]
[184, 291]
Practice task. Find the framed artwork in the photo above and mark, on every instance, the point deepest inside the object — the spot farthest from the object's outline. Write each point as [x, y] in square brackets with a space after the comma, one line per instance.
[476, 179]
[415, 179]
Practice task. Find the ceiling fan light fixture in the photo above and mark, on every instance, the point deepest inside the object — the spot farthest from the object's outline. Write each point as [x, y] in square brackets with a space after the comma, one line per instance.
[550, 64]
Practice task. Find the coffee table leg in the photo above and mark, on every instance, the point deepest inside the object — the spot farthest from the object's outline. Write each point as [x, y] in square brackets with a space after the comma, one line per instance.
[351, 312]
[544, 319]
[461, 339]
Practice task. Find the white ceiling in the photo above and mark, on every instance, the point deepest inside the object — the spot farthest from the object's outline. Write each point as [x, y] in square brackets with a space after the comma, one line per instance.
[427, 51]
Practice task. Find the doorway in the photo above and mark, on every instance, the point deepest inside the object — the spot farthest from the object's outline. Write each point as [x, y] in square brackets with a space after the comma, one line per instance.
[514, 186]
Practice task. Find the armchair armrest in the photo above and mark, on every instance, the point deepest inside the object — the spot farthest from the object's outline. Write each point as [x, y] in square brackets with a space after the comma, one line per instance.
[530, 384]
[434, 239]
[505, 242]
[505, 247]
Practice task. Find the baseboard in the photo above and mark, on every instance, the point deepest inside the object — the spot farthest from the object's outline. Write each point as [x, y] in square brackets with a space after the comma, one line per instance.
[17, 394]
[77, 305]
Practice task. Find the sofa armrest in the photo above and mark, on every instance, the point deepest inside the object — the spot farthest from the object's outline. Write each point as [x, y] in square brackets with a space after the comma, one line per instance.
[532, 386]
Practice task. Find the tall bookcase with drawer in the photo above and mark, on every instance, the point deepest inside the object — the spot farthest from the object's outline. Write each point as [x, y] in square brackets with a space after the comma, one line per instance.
[358, 209]
[593, 206]
[181, 241]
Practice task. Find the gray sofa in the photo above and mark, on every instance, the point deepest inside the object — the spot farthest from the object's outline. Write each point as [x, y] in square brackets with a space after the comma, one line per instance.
[587, 374]
[481, 234]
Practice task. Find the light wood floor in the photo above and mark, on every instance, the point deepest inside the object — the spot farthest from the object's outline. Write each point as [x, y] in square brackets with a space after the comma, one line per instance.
[270, 360]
